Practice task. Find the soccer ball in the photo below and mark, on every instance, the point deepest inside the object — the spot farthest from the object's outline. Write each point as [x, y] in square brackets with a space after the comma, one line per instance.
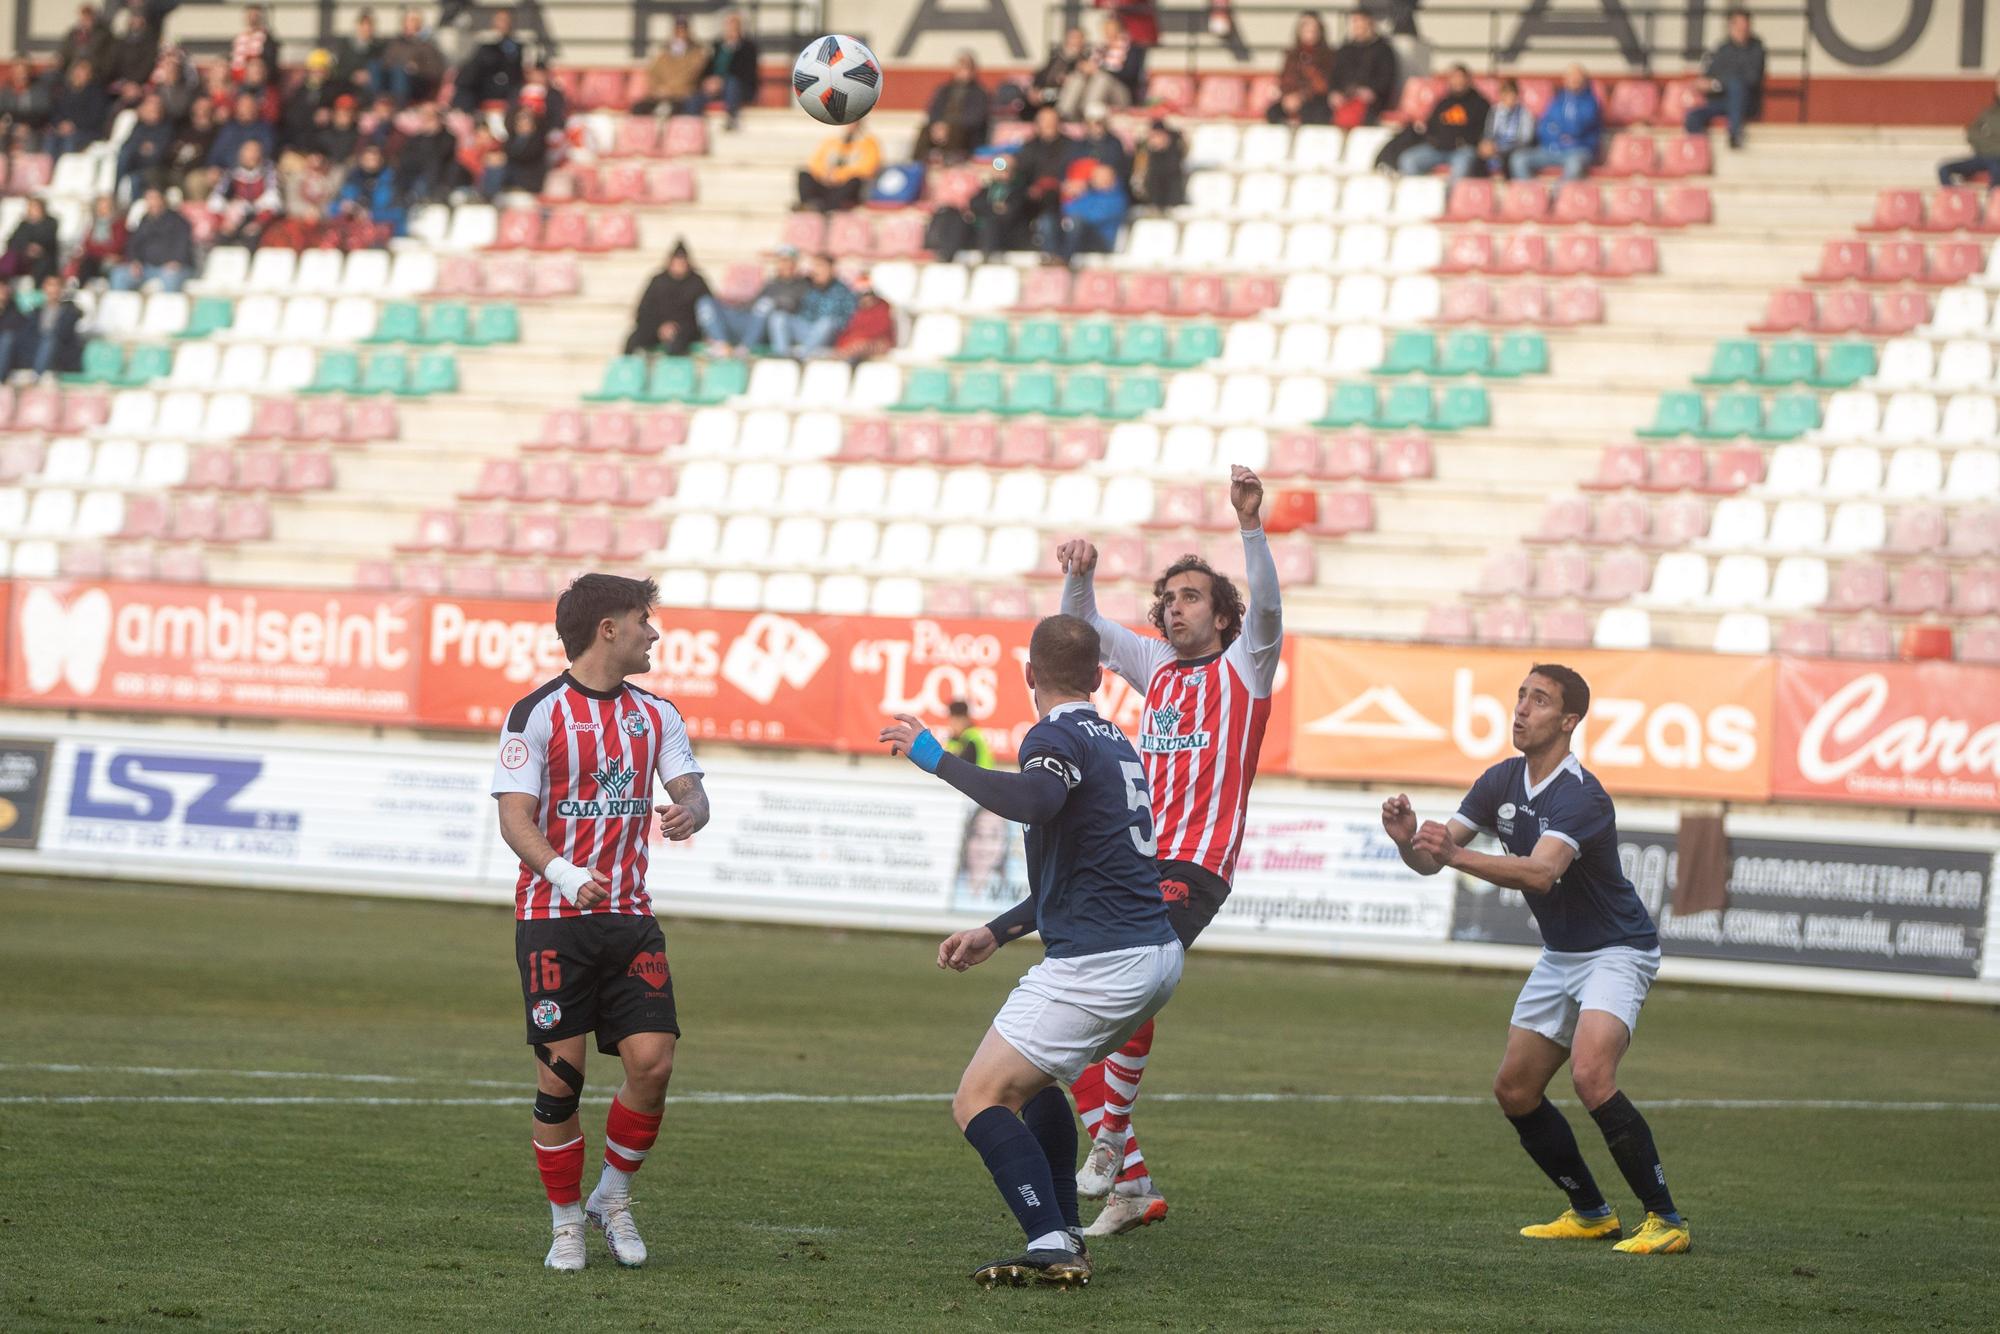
[837, 80]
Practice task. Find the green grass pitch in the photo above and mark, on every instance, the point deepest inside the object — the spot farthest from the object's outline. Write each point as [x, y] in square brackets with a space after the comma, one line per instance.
[292, 1204]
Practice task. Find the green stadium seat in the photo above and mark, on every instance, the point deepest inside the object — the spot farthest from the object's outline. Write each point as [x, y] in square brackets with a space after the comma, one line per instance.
[449, 322]
[1194, 344]
[1464, 406]
[339, 373]
[1521, 354]
[1467, 352]
[436, 373]
[398, 322]
[149, 362]
[1091, 343]
[624, 380]
[721, 379]
[1847, 364]
[1032, 391]
[388, 373]
[1679, 413]
[1137, 394]
[1142, 343]
[1085, 394]
[1790, 361]
[1792, 415]
[103, 363]
[671, 381]
[983, 391]
[1734, 361]
[1351, 405]
[1733, 415]
[1410, 353]
[1037, 340]
[986, 340]
[210, 313]
[497, 323]
[1407, 405]
[927, 389]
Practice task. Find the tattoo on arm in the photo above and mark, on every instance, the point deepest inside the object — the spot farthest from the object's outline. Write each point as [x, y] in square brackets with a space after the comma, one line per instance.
[687, 791]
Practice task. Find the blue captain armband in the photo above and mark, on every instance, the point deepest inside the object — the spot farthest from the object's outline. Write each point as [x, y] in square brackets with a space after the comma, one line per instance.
[925, 752]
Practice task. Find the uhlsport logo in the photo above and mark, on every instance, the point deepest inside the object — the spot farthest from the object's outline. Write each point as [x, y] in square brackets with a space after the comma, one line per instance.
[65, 643]
[546, 1014]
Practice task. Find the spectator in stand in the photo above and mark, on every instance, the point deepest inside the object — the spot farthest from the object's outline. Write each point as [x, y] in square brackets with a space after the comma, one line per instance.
[1449, 135]
[135, 52]
[1064, 59]
[995, 210]
[103, 243]
[956, 120]
[1039, 167]
[825, 307]
[78, 113]
[1093, 213]
[255, 42]
[731, 73]
[427, 161]
[1983, 137]
[1159, 168]
[737, 326]
[33, 250]
[412, 64]
[306, 107]
[1098, 143]
[190, 168]
[24, 105]
[246, 199]
[492, 73]
[257, 83]
[144, 156]
[1364, 75]
[1568, 132]
[340, 135]
[543, 97]
[308, 183]
[525, 157]
[871, 330]
[40, 332]
[1305, 80]
[1111, 75]
[1509, 126]
[675, 73]
[358, 64]
[1733, 77]
[1142, 18]
[668, 318]
[368, 210]
[86, 39]
[160, 249]
[177, 83]
[840, 170]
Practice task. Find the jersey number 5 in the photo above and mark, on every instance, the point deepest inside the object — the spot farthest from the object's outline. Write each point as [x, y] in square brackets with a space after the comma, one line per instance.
[1136, 799]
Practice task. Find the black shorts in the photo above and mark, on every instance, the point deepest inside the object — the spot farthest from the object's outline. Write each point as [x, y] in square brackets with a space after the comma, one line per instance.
[603, 971]
[1194, 895]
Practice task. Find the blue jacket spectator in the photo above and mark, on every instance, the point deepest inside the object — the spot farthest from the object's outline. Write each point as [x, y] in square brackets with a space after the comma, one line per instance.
[824, 310]
[243, 126]
[79, 112]
[1093, 216]
[1568, 131]
[371, 189]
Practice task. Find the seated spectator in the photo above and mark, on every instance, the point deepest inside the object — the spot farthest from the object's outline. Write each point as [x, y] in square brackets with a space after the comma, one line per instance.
[526, 156]
[1064, 59]
[144, 156]
[33, 250]
[1305, 80]
[547, 100]
[307, 182]
[825, 307]
[339, 134]
[1364, 75]
[840, 170]
[956, 120]
[86, 39]
[103, 243]
[78, 113]
[135, 51]
[871, 330]
[1035, 203]
[667, 319]
[246, 199]
[1093, 213]
[368, 210]
[737, 326]
[492, 73]
[160, 249]
[255, 42]
[304, 109]
[1568, 132]
[1733, 77]
[675, 73]
[1983, 137]
[1112, 75]
[258, 83]
[39, 331]
[358, 65]
[1159, 168]
[427, 161]
[189, 165]
[412, 64]
[177, 83]
[245, 125]
[1509, 126]
[1142, 18]
[1447, 137]
[24, 104]
[730, 76]
[1098, 143]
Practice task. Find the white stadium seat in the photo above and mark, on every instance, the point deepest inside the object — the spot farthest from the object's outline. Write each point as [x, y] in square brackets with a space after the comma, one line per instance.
[1910, 418]
[318, 272]
[1316, 147]
[1854, 470]
[1799, 583]
[1152, 242]
[1680, 579]
[1214, 144]
[1313, 195]
[993, 287]
[1857, 526]
[842, 595]
[1299, 399]
[736, 590]
[1794, 469]
[1308, 245]
[1260, 194]
[1265, 145]
[1796, 525]
[1740, 581]
[1974, 477]
[1914, 473]
[1743, 632]
[1360, 298]
[1249, 343]
[1244, 396]
[1255, 243]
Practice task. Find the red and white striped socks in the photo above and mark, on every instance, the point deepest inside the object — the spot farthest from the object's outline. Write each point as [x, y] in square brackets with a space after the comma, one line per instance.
[1104, 1097]
[628, 1138]
[561, 1166]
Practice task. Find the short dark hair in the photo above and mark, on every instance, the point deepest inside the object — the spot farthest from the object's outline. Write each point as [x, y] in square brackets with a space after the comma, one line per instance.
[592, 597]
[1575, 690]
[958, 708]
[1510, 85]
[1461, 67]
[1063, 651]
[1222, 592]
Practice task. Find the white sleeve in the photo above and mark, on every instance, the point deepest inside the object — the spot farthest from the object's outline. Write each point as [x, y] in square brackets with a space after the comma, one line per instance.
[1132, 656]
[1262, 642]
[523, 762]
[676, 755]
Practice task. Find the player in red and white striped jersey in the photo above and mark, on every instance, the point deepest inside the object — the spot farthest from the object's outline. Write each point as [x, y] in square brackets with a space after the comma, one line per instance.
[574, 781]
[1207, 684]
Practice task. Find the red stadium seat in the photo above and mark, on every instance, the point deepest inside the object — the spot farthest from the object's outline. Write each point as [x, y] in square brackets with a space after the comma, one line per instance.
[1919, 588]
[195, 519]
[901, 236]
[616, 230]
[1916, 530]
[459, 275]
[1618, 466]
[1845, 311]
[529, 583]
[274, 419]
[1251, 295]
[307, 470]
[1347, 456]
[1955, 208]
[375, 576]
[1898, 262]
[1858, 585]
[1563, 627]
[586, 536]
[1076, 445]
[686, 136]
[1419, 96]
[620, 183]
[867, 440]
[212, 469]
[1896, 211]
[1471, 201]
[1629, 155]
[920, 441]
[519, 229]
[1979, 643]
[668, 183]
[638, 136]
[1220, 95]
[1561, 574]
[1121, 557]
[258, 470]
[1263, 92]
[634, 538]
[1675, 468]
[950, 600]
[145, 516]
[1503, 624]
[659, 431]
[1467, 252]
[1524, 201]
[546, 479]
[1841, 261]
[245, 520]
[84, 410]
[566, 185]
[1564, 519]
[1448, 624]
[1172, 90]
[1175, 507]
[1023, 444]
[1577, 252]
[604, 90]
[371, 420]
[1577, 203]
[1047, 287]
[970, 443]
[1921, 642]
[850, 235]
[1521, 252]
[599, 484]
[37, 409]
[1685, 206]
[1619, 575]
[1677, 98]
[1731, 470]
[1632, 102]
[1901, 312]
[1469, 302]
[1804, 639]
[1868, 640]
[1789, 310]
[1976, 592]
[1092, 290]
[1953, 262]
[1344, 512]
[1632, 254]
[1677, 522]
[1629, 206]
[1293, 454]
[1203, 294]
[609, 429]
[536, 535]
[568, 229]
[1521, 303]
[1147, 294]
[1290, 509]
[1536, 94]
[646, 483]
[1404, 458]
[499, 479]
[1620, 521]
[1686, 155]
[508, 275]
[472, 581]
[420, 577]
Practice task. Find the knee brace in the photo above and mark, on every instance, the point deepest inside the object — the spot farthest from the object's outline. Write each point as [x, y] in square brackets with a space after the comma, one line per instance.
[553, 1109]
[564, 1071]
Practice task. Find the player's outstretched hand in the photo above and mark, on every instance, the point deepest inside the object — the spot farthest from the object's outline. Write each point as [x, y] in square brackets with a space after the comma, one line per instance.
[962, 949]
[1399, 820]
[1077, 557]
[1246, 495]
[595, 891]
[1435, 840]
[903, 735]
[676, 822]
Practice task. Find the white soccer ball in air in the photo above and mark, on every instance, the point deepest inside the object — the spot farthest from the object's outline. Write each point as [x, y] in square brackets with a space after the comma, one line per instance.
[837, 80]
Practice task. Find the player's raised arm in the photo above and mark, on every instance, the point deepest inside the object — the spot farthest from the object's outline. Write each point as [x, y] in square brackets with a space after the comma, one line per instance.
[1032, 796]
[1130, 655]
[1263, 638]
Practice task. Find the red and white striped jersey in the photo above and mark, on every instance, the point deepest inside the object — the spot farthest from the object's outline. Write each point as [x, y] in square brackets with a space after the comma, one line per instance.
[1203, 724]
[588, 757]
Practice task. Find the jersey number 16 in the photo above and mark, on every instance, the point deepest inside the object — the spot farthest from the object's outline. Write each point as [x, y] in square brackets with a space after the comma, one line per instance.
[1136, 799]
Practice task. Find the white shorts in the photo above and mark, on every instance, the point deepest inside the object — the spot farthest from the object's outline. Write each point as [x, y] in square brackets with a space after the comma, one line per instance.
[1614, 979]
[1066, 1013]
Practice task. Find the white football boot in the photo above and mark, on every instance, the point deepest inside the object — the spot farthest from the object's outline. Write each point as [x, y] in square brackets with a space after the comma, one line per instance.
[1125, 1211]
[612, 1215]
[1101, 1166]
[566, 1250]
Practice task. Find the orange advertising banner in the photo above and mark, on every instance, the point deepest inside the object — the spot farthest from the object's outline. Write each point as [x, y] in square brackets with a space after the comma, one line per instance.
[1664, 724]
[1888, 734]
[182, 649]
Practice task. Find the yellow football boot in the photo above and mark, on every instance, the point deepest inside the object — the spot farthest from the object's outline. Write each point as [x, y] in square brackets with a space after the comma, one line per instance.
[1573, 1226]
[1657, 1237]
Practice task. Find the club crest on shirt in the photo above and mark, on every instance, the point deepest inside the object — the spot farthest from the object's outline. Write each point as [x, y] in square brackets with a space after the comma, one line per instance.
[1162, 733]
[1504, 817]
[546, 1014]
[634, 724]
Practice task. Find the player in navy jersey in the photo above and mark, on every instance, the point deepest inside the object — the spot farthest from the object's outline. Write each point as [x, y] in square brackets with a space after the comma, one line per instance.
[1599, 956]
[574, 781]
[1111, 958]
